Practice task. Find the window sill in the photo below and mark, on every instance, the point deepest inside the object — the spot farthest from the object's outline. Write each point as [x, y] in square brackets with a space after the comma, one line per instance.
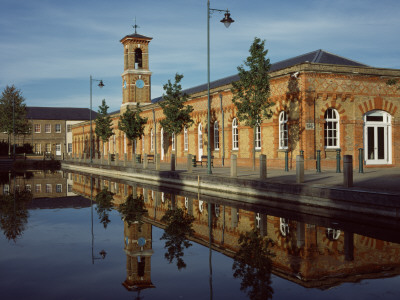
[331, 149]
[283, 150]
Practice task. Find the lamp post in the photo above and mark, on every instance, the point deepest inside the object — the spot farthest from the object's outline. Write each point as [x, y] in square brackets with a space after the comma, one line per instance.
[101, 84]
[227, 22]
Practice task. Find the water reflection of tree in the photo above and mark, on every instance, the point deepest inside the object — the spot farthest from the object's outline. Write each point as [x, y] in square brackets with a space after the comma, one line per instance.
[133, 210]
[104, 201]
[14, 213]
[179, 227]
[252, 264]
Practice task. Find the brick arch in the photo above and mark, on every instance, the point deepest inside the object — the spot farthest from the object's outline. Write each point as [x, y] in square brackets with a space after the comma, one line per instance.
[279, 108]
[333, 104]
[377, 104]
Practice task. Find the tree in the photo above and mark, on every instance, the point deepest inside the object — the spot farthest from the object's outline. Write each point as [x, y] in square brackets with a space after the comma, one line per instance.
[103, 123]
[12, 100]
[179, 227]
[251, 92]
[252, 263]
[133, 210]
[132, 124]
[104, 201]
[177, 114]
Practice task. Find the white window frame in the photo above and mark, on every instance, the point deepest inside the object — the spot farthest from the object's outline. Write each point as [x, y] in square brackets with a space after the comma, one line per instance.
[216, 135]
[258, 138]
[57, 128]
[173, 141]
[152, 139]
[235, 135]
[142, 143]
[69, 148]
[185, 139]
[47, 128]
[69, 128]
[124, 142]
[283, 130]
[47, 149]
[38, 188]
[38, 128]
[49, 188]
[331, 129]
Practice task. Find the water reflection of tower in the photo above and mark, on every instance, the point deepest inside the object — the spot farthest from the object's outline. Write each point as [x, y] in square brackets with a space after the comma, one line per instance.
[138, 249]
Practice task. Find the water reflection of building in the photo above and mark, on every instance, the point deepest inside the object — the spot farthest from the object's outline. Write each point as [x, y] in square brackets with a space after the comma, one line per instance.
[138, 249]
[42, 183]
[310, 255]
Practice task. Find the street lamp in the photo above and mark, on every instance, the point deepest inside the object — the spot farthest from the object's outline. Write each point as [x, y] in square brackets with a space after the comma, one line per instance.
[101, 84]
[227, 22]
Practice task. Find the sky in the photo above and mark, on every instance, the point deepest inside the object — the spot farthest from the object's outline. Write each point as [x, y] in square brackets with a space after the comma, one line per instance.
[49, 48]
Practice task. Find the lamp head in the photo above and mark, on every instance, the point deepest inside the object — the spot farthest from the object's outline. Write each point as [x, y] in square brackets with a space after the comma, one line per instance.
[101, 84]
[227, 20]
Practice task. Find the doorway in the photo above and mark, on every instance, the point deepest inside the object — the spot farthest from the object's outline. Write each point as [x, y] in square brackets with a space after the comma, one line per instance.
[377, 138]
[200, 141]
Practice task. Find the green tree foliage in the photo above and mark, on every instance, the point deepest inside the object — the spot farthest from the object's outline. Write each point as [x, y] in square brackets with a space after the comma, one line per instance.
[251, 92]
[252, 264]
[177, 114]
[179, 227]
[103, 122]
[14, 213]
[132, 124]
[104, 201]
[133, 210]
[11, 96]
[393, 82]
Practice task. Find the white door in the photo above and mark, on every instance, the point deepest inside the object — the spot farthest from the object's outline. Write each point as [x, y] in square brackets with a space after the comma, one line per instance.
[200, 142]
[58, 149]
[162, 143]
[377, 138]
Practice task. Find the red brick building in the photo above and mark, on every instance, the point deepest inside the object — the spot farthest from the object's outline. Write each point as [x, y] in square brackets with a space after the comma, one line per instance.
[323, 103]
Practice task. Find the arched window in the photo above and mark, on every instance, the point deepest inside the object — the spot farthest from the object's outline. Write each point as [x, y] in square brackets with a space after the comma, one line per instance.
[138, 58]
[152, 140]
[185, 139]
[332, 234]
[283, 130]
[331, 128]
[284, 226]
[216, 136]
[124, 142]
[258, 137]
[201, 206]
[173, 141]
[235, 135]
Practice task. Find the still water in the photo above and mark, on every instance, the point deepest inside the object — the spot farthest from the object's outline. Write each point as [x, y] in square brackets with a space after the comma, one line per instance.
[144, 242]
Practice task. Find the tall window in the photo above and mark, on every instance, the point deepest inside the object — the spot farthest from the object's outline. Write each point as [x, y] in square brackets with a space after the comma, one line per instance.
[58, 128]
[143, 143]
[47, 128]
[48, 148]
[69, 128]
[69, 147]
[48, 188]
[37, 128]
[152, 140]
[283, 130]
[58, 188]
[185, 139]
[235, 135]
[331, 128]
[124, 143]
[258, 137]
[216, 136]
[173, 141]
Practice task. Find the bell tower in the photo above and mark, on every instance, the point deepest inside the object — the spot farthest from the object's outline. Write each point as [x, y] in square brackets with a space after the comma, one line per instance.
[136, 78]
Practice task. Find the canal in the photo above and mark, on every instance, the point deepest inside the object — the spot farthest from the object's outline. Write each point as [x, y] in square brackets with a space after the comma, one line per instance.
[79, 236]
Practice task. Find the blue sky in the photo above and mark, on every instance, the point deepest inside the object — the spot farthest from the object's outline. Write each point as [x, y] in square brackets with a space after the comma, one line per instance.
[49, 48]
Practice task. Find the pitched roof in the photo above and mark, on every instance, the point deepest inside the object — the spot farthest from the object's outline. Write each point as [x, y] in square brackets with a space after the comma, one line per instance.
[136, 36]
[59, 113]
[317, 56]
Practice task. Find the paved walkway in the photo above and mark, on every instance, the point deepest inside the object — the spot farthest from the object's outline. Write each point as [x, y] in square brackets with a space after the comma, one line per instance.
[373, 179]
